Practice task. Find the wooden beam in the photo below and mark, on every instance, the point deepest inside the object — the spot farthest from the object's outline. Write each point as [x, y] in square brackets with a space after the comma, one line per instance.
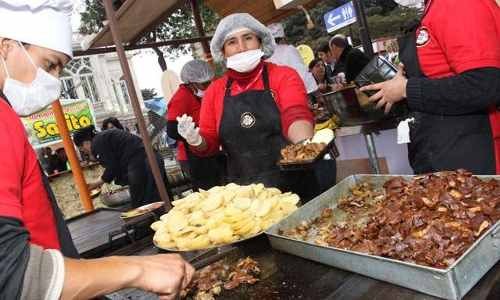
[160, 184]
[93, 51]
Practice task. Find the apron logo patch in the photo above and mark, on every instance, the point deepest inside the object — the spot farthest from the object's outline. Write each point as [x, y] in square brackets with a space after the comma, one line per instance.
[247, 120]
[423, 37]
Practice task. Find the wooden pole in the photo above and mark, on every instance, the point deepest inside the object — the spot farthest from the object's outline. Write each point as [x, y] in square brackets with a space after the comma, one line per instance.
[135, 104]
[80, 182]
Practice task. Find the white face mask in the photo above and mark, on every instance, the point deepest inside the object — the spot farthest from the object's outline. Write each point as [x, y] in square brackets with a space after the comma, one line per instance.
[245, 61]
[27, 99]
[199, 93]
[410, 3]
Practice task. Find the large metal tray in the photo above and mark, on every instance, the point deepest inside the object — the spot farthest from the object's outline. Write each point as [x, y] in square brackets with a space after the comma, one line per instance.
[451, 283]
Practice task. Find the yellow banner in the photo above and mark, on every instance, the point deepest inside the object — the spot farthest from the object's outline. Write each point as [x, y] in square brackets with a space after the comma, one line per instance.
[42, 129]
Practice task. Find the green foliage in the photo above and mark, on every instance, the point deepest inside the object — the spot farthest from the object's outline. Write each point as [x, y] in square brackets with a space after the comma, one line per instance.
[180, 24]
[384, 19]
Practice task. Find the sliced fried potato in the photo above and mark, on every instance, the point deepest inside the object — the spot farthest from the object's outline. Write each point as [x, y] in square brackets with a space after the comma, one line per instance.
[264, 208]
[292, 199]
[242, 203]
[199, 242]
[197, 218]
[221, 234]
[245, 192]
[157, 225]
[176, 221]
[257, 189]
[213, 202]
[232, 211]
[222, 215]
[216, 190]
[244, 230]
[273, 192]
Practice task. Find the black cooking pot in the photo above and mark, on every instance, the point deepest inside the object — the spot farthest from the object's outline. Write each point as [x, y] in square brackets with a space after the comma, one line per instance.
[352, 110]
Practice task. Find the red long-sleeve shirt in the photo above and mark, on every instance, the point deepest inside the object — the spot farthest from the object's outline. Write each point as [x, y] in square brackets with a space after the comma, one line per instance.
[287, 87]
[22, 193]
[183, 102]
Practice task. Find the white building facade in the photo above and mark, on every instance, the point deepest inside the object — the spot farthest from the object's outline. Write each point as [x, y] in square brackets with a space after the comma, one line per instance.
[99, 78]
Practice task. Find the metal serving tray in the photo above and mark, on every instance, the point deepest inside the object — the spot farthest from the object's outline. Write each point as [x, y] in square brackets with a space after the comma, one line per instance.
[451, 283]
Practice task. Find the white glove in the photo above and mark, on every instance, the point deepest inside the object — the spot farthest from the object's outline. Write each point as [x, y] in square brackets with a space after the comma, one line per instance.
[187, 129]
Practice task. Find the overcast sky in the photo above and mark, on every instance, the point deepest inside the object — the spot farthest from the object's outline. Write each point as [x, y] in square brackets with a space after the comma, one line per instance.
[145, 63]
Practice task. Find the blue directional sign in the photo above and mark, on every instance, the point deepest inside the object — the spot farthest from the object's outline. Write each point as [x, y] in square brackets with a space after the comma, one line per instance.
[340, 17]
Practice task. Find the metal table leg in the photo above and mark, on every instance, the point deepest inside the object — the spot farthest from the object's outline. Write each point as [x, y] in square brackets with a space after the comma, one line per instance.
[372, 152]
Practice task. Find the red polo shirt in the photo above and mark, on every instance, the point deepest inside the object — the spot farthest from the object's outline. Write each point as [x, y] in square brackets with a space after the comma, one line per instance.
[288, 89]
[457, 36]
[22, 194]
[183, 102]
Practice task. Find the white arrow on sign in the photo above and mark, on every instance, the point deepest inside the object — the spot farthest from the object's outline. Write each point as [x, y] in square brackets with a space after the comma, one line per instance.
[332, 19]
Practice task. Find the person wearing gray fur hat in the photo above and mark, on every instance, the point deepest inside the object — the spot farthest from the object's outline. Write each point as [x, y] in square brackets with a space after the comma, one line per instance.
[252, 111]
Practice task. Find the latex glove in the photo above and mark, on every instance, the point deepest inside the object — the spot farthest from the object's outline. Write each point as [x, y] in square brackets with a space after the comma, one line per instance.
[188, 130]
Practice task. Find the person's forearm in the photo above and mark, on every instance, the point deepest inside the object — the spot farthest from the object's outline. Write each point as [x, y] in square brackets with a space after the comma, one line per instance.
[300, 130]
[468, 92]
[86, 279]
[172, 130]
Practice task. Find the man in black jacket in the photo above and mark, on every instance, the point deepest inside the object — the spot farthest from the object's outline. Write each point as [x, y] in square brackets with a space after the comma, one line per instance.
[323, 52]
[123, 156]
[348, 60]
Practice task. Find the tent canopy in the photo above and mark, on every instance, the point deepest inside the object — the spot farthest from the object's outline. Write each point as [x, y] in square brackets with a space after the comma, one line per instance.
[136, 18]
[263, 10]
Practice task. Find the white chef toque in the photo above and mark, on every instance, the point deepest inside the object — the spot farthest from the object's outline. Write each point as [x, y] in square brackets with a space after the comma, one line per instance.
[45, 23]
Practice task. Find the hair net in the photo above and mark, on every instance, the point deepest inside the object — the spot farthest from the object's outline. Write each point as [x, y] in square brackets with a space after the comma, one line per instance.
[196, 71]
[277, 30]
[241, 20]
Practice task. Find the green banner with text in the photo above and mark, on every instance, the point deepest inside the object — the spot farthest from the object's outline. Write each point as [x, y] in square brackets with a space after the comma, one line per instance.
[42, 129]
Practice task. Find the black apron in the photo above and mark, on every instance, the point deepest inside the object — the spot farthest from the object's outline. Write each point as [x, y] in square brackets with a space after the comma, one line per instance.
[444, 142]
[250, 133]
[206, 172]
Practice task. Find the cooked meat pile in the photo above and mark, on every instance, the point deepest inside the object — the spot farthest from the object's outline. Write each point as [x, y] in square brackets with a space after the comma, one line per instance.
[430, 220]
[209, 281]
[301, 152]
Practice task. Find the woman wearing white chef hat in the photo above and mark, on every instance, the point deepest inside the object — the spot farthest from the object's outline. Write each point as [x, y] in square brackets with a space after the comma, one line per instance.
[35, 43]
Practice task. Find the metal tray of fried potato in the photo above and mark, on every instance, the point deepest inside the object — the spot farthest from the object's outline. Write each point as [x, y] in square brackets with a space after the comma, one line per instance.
[221, 216]
[450, 283]
[208, 248]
